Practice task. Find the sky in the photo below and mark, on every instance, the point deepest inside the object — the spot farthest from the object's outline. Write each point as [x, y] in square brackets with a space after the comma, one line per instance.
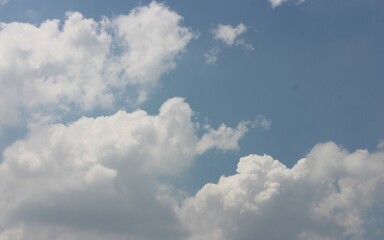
[191, 120]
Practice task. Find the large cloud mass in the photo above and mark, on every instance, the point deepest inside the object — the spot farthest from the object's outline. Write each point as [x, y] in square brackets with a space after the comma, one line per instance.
[101, 178]
[86, 63]
[100, 175]
[113, 177]
[331, 194]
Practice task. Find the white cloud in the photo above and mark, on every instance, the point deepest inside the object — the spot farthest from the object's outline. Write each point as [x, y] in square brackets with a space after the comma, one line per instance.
[152, 35]
[82, 62]
[228, 34]
[332, 194]
[226, 138]
[212, 55]
[3, 2]
[100, 173]
[98, 178]
[276, 3]
[223, 138]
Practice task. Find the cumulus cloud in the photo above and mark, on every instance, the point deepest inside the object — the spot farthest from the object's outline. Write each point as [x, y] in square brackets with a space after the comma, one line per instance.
[99, 177]
[331, 194]
[143, 32]
[102, 178]
[86, 63]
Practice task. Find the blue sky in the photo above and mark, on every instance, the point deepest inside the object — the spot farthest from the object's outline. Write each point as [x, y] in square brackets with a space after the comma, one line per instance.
[145, 108]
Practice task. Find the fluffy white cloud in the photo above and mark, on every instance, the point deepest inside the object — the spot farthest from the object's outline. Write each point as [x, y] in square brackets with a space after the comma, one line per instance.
[331, 194]
[153, 36]
[223, 138]
[99, 177]
[226, 138]
[85, 63]
[228, 34]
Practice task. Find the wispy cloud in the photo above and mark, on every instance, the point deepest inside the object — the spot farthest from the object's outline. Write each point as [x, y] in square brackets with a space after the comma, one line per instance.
[262, 122]
[229, 34]
[3, 2]
[212, 55]
[277, 3]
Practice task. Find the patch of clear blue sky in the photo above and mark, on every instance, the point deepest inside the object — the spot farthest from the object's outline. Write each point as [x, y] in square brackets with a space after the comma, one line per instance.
[317, 72]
